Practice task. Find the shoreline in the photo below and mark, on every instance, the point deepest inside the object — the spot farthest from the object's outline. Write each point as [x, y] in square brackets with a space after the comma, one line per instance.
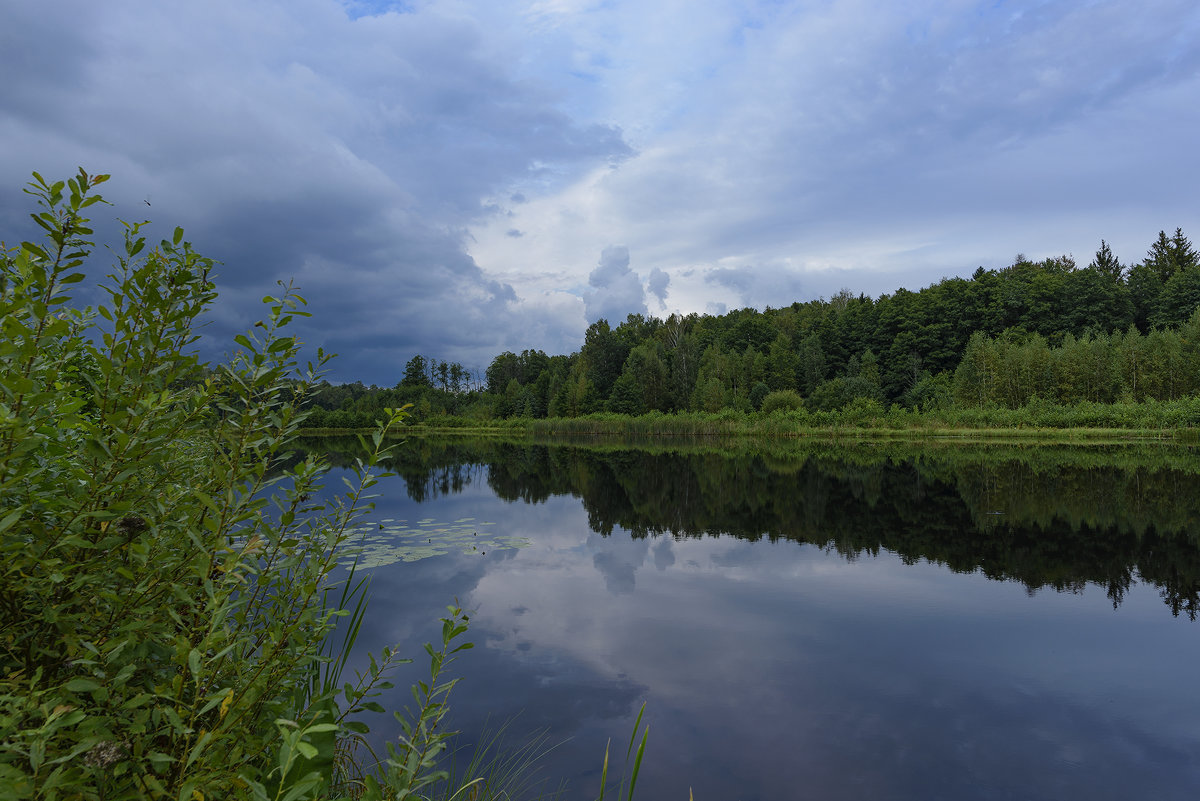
[631, 428]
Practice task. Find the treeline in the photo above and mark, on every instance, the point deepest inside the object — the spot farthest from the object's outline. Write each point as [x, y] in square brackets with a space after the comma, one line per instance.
[1014, 369]
[1051, 330]
[435, 389]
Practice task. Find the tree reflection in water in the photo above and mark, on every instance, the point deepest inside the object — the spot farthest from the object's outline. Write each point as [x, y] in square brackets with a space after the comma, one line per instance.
[1059, 518]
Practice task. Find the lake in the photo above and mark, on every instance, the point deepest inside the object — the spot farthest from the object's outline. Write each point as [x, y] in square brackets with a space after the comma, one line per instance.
[814, 622]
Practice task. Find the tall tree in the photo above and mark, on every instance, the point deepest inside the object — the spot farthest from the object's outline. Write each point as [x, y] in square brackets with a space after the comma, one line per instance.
[457, 374]
[1145, 287]
[781, 364]
[811, 366]
[1179, 299]
[1106, 263]
[604, 355]
[1182, 252]
[504, 368]
[1161, 257]
[416, 372]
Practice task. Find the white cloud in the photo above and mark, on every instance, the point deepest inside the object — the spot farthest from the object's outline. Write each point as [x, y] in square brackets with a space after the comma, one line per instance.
[616, 291]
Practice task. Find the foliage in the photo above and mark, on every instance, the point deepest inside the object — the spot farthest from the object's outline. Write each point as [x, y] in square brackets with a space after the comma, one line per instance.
[167, 587]
[782, 399]
[1012, 371]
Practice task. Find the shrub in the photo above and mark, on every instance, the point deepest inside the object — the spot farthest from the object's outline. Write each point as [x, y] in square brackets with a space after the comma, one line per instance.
[837, 393]
[862, 410]
[163, 583]
[782, 399]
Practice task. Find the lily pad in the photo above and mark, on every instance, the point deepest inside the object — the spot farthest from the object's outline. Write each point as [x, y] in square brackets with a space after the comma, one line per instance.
[387, 541]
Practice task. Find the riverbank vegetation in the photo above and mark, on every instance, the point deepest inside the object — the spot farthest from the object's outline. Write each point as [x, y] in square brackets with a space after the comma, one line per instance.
[169, 584]
[1038, 421]
[1037, 344]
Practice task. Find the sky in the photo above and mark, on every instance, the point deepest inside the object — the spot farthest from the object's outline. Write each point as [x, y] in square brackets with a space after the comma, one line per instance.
[457, 178]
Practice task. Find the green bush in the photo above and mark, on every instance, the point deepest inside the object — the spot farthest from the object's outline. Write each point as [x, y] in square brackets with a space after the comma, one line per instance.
[782, 399]
[838, 393]
[165, 587]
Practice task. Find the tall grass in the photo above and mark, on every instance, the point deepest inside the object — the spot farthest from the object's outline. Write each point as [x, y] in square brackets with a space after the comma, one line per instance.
[1039, 420]
[1044, 420]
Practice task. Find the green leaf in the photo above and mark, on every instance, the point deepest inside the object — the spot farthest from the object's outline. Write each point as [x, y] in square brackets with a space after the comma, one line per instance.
[194, 663]
[35, 250]
[82, 685]
[10, 518]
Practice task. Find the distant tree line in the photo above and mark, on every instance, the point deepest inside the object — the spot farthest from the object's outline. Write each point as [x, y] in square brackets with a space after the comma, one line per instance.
[433, 388]
[1049, 329]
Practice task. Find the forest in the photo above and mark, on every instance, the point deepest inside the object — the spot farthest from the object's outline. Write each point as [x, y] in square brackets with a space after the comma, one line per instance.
[1034, 331]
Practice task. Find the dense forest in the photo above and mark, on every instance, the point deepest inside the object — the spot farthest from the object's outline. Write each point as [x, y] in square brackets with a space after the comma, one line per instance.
[1050, 330]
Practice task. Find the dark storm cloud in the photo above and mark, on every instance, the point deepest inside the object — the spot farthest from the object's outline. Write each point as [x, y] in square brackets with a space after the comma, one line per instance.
[293, 142]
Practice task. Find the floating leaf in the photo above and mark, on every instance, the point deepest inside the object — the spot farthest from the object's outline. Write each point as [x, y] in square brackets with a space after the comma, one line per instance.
[385, 542]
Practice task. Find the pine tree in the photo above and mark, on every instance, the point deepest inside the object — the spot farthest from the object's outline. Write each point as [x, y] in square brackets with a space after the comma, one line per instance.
[1106, 263]
[1161, 258]
[1182, 253]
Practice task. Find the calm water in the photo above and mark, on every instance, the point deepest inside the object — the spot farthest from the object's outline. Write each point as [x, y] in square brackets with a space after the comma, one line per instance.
[988, 625]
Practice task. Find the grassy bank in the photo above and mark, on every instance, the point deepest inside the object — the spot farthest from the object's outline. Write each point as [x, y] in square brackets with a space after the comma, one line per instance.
[1177, 420]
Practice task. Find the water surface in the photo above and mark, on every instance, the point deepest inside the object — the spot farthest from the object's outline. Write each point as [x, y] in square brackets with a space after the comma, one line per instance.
[857, 625]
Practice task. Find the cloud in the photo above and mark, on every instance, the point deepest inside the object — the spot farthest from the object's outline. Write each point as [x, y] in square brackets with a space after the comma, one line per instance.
[758, 286]
[664, 555]
[292, 141]
[616, 290]
[657, 283]
[756, 153]
[918, 140]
